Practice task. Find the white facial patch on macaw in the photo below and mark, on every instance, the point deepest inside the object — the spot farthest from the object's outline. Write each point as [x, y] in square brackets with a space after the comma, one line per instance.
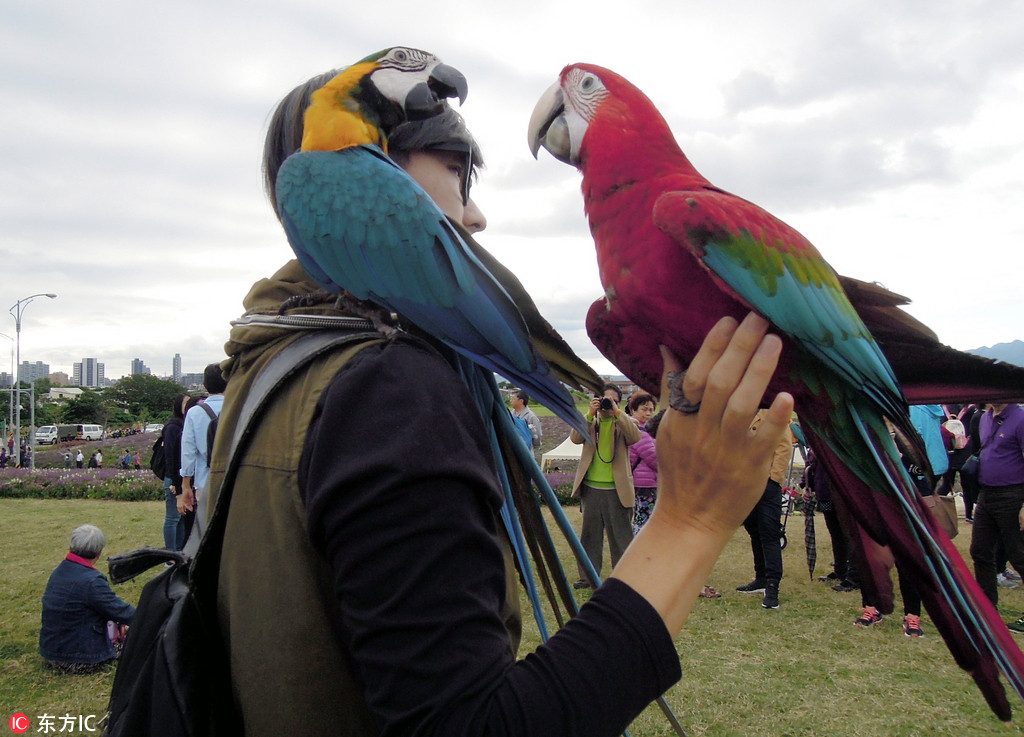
[584, 93]
[395, 84]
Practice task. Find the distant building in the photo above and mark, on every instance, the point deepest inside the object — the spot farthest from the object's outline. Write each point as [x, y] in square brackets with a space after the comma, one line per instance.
[59, 378]
[64, 392]
[627, 387]
[88, 373]
[138, 367]
[30, 372]
[192, 382]
[176, 368]
[27, 373]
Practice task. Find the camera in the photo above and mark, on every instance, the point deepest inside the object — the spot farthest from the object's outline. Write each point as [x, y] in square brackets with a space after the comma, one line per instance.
[606, 404]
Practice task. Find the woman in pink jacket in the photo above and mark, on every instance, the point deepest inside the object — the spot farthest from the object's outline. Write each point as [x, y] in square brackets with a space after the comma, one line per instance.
[643, 460]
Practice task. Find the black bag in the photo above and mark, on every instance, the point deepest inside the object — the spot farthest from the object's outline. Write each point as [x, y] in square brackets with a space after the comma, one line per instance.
[211, 431]
[157, 462]
[174, 678]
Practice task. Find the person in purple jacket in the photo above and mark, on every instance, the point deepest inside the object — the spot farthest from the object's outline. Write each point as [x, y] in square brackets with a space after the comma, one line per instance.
[643, 460]
[999, 513]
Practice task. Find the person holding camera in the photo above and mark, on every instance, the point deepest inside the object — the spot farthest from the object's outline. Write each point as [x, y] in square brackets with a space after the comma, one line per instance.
[604, 480]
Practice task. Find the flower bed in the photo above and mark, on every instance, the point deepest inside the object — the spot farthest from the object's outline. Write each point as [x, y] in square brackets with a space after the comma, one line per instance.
[561, 484]
[80, 483]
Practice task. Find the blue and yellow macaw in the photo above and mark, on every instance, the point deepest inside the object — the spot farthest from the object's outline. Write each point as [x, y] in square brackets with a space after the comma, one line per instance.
[359, 224]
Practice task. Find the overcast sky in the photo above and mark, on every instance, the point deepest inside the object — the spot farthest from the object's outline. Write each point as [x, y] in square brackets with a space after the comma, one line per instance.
[889, 133]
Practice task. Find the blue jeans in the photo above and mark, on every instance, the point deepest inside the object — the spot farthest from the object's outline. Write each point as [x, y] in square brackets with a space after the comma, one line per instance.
[174, 528]
[764, 525]
[996, 521]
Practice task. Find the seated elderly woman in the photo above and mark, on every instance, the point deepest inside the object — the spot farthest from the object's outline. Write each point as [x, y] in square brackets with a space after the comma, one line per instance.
[77, 605]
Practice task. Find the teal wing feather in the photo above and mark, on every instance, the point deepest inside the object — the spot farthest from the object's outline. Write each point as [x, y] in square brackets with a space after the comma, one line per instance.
[778, 273]
[359, 223]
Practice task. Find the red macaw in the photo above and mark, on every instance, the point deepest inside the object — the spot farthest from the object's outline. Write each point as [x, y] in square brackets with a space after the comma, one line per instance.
[675, 254]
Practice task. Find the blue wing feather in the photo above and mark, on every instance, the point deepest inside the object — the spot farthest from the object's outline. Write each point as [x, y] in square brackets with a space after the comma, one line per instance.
[358, 222]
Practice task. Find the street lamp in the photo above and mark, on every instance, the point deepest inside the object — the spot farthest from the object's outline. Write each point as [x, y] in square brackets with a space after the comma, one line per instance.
[17, 309]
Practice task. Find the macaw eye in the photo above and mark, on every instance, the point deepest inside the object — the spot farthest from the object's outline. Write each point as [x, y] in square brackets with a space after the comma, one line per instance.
[400, 55]
[588, 83]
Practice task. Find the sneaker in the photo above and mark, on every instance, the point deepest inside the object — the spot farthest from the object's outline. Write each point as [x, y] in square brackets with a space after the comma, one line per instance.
[869, 617]
[581, 584]
[830, 577]
[1011, 574]
[1005, 581]
[845, 586]
[1016, 626]
[771, 595]
[754, 587]
[912, 626]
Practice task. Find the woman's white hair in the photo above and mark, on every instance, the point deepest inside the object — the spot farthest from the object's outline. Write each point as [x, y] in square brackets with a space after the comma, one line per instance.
[88, 541]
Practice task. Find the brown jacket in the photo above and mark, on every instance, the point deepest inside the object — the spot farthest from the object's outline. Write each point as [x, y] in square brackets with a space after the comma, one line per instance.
[627, 432]
[783, 451]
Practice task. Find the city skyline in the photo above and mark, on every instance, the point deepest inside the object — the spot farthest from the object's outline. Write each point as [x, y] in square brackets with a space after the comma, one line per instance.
[33, 370]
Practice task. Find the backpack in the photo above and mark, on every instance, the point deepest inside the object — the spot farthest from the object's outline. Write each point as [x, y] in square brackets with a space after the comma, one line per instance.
[173, 678]
[157, 463]
[956, 428]
[211, 431]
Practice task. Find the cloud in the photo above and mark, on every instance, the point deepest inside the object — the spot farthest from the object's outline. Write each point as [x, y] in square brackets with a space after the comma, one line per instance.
[886, 131]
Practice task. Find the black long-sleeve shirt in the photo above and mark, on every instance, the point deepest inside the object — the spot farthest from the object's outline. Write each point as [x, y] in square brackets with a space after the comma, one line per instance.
[172, 451]
[401, 498]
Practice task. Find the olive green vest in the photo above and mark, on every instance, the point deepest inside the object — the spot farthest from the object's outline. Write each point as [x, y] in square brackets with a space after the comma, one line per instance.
[275, 594]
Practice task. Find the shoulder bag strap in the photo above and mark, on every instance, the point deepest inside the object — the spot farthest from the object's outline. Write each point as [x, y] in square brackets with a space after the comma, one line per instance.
[280, 368]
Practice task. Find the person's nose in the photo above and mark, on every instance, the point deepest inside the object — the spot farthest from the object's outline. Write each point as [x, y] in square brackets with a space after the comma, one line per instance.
[473, 217]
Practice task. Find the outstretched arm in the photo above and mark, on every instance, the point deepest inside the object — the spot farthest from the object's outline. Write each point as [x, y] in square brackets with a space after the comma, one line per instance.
[711, 466]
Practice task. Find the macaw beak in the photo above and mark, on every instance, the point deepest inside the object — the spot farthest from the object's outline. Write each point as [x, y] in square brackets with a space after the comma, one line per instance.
[548, 127]
[427, 98]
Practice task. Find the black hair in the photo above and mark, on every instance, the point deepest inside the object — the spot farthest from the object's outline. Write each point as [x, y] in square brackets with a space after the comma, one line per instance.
[214, 380]
[284, 134]
[523, 395]
[176, 410]
[614, 388]
[446, 131]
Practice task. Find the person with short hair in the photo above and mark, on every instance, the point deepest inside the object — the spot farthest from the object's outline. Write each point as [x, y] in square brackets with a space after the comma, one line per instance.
[604, 480]
[195, 455]
[520, 402]
[643, 460]
[999, 514]
[78, 604]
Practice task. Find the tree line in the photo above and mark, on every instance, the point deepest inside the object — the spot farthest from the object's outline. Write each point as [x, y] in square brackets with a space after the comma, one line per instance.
[133, 400]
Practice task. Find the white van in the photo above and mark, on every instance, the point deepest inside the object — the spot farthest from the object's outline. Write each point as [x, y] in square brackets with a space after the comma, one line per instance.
[46, 435]
[90, 432]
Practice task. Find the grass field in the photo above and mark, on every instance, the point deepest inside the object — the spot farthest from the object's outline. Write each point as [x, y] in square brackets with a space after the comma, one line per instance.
[801, 670]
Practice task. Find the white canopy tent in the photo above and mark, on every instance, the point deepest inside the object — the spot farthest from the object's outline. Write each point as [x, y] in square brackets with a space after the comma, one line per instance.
[567, 451]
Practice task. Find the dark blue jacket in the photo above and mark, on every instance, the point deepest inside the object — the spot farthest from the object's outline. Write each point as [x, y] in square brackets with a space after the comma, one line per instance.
[77, 604]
